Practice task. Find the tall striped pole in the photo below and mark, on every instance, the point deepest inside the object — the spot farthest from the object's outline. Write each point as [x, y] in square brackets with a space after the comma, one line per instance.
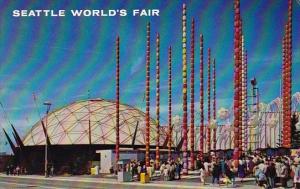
[287, 80]
[289, 74]
[170, 103]
[157, 102]
[285, 91]
[214, 105]
[284, 130]
[184, 92]
[192, 128]
[281, 94]
[246, 99]
[243, 96]
[201, 99]
[117, 99]
[241, 90]
[147, 155]
[236, 105]
[208, 137]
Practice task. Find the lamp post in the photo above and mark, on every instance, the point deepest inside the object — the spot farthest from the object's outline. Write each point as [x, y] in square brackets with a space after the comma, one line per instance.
[255, 110]
[48, 105]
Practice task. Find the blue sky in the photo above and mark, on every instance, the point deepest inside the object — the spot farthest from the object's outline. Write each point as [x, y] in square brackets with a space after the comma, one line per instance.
[61, 58]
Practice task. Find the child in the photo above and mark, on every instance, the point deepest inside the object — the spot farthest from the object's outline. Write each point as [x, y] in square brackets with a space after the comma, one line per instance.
[166, 174]
[202, 175]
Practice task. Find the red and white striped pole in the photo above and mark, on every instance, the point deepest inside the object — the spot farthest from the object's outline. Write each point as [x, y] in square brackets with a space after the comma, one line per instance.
[287, 79]
[192, 128]
[243, 96]
[236, 105]
[201, 99]
[214, 105]
[241, 89]
[246, 99]
[170, 103]
[285, 100]
[289, 74]
[147, 155]
[208, 137]
[117, 99]
[157, 159]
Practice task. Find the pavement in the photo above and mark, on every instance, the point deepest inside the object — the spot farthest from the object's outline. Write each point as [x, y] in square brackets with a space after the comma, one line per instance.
[94, 182]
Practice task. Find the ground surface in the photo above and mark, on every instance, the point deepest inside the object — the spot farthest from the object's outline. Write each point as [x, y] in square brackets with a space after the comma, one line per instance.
[87, 182]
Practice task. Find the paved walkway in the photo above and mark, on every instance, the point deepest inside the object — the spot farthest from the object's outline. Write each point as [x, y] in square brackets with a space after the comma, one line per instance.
[190, 181]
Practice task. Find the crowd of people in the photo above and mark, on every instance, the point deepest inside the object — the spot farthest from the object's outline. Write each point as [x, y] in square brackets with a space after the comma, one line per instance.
[169, 170]
[15, 170]
[268, 172]
[19, 170]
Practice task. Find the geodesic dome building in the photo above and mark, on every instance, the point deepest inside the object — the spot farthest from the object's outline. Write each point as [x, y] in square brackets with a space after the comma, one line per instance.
[75, 132]
[92, 122]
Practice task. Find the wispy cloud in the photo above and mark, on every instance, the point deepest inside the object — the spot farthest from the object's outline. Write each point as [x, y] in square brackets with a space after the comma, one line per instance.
[137, 65]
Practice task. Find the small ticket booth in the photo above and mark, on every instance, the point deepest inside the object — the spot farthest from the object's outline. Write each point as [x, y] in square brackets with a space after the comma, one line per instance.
[124, 171]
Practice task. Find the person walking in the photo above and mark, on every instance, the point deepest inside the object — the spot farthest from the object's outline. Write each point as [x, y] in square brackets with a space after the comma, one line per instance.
[229, 174]
[178, 170]
[206, 165]
[297, 176]
[202, 175]
[271, 174]
[7, 170]
[278, 166]
[18, 170]
[261, 177]
[139, 171]
[52, 171]
[166, 173]
[222, 165]
[241, 170]
[250, 166]
[284, 175]
[216, 171]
